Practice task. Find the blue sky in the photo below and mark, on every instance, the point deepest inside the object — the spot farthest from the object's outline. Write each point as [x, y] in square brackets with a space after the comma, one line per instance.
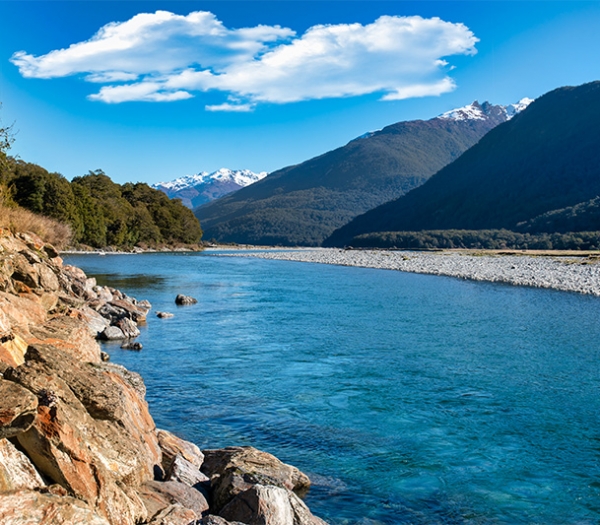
[150, 91]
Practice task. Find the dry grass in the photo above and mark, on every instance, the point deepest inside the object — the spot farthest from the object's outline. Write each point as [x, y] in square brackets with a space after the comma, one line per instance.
[49, 230]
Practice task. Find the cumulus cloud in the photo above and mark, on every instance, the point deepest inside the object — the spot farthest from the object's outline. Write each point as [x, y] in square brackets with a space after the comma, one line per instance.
[162, 56]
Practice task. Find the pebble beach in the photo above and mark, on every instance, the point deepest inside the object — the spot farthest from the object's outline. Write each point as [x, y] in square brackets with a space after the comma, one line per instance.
[565, 273]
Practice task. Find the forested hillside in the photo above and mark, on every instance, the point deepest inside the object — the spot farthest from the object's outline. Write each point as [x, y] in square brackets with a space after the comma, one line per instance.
[101, 212]
[304, 204]
[539, 172]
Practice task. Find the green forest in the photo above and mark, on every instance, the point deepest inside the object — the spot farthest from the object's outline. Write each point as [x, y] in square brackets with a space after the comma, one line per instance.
[100, 212]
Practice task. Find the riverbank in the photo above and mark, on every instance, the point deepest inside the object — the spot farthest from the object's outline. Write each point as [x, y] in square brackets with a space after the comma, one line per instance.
[77, 441]
[569, 273]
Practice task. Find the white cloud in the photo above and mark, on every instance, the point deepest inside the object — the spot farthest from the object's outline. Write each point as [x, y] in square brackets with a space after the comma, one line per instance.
[227, 106]
[164, 57]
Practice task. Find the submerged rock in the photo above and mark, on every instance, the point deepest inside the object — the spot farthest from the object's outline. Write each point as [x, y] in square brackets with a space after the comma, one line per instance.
[164, 315]
[132, 345]
[185, 300]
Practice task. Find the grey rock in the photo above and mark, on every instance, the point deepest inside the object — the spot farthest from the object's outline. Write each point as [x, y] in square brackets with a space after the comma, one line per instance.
[185, 472]
[111, 333]
[269, 505]
[164, 315]
[184, 300]
[132, 345]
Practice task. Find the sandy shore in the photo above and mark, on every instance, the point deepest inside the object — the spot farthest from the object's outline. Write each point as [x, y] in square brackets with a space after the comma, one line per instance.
[566, 273]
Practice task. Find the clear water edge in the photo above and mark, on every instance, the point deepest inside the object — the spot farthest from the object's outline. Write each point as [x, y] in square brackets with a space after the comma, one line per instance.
[407, 398]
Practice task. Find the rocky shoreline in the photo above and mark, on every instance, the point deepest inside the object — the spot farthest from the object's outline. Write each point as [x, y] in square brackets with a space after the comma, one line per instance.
[565, 273]
[77, 442]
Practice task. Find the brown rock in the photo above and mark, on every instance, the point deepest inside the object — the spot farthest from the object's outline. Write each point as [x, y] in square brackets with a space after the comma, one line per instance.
[18, 408]
[12, 349]
[134, 312]
[16, 470]
[128, 327]
[158, 495]
[34, 508]
[69, 334]
[174, 515]
[217, 520]
[235, 469]
[171, 445]
[93, 459]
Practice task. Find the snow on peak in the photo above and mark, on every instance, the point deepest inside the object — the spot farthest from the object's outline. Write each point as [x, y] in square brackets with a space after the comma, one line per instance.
[239, 177]
[471, 112]
[477, 111]
[513, 109]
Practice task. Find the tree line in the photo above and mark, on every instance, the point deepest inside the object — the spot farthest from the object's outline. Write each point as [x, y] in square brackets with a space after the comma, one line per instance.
[100, 212]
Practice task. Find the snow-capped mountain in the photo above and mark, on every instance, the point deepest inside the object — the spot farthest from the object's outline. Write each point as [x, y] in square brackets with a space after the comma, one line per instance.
[477, 111]
[203, 187]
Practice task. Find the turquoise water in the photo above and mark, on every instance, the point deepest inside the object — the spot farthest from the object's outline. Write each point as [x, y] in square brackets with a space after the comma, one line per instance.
[407, 398]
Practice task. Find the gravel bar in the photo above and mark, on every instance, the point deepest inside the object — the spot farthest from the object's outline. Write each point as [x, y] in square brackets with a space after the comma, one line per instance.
[570, 274]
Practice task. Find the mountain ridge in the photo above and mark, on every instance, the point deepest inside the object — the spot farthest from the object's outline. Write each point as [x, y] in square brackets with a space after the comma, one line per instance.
[195, 190]
[305, 203]
[543, 159]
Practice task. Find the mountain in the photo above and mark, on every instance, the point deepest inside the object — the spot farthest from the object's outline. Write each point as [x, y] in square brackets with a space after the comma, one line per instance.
[543, 159]
[195, 190]
[304, 204]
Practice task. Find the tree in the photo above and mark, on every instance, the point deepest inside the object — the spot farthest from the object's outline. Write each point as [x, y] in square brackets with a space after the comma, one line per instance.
[6, 140]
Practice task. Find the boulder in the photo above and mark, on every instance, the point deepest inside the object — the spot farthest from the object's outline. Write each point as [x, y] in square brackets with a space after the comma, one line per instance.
[128, 327]
[92, 319]
[184, 300]
[17, 472]
[111, 333]
[34, 508]
[171, 446]
[183, 471]
[70, 334]
[269, 505]
[164, 315]
[132, 311]
[18, 408]
[93, 434]
[235, 469]
[158, 495]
